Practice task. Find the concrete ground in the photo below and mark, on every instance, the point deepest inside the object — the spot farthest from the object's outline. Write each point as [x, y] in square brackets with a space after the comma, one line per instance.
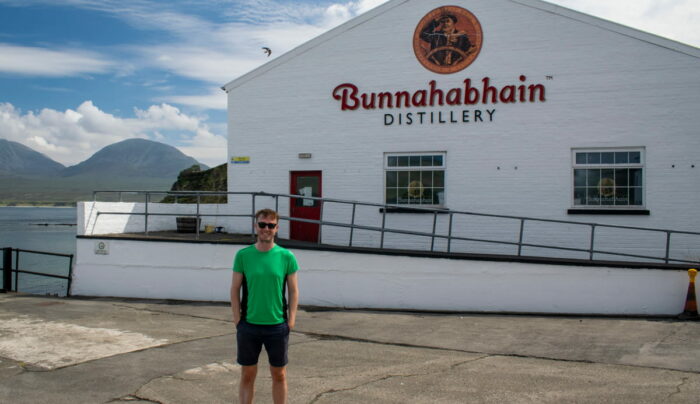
[58, 350]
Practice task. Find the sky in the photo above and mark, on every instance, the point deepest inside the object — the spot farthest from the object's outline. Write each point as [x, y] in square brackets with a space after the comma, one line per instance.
[78, 75]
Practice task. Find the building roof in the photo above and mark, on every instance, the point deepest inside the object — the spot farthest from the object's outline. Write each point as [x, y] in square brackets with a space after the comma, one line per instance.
[536, 4]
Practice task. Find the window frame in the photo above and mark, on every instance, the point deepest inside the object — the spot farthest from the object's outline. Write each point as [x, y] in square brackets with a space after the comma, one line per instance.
[442, 167]
[600, 165]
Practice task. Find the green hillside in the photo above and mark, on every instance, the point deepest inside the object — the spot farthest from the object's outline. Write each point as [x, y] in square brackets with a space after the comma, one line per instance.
[193, 179]
[67, 191]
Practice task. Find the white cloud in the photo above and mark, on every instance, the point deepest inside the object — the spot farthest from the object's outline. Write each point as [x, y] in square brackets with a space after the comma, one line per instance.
[672, 19]
[35, 61]
[72, 136]
[215, 99]
[218, 53]
[211, 148]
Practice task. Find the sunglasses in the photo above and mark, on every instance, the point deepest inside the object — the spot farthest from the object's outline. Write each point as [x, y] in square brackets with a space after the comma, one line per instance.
[270, 226]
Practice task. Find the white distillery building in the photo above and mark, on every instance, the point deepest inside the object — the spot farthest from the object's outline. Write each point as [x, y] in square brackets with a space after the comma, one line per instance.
[556, 115]
[494, 112]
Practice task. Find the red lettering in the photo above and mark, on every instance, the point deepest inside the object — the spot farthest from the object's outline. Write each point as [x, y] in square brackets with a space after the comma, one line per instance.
[521, 89]
[349, 92]
[454, 97]
[507, 94]
[386, 97]
[351, 99]
[406, 97]
[493, 91]
[539, 88]
[420, 98]
[368, 104]
[435, 92]
[471, 94]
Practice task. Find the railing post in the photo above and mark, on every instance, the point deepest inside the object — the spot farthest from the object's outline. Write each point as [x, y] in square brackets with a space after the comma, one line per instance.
[449, 234]
[352, 222]
[320, 225]
[381, 241]
[16, 270]
[70, 275]
[196, 220]
[252, 215]
[520, 239]
[145, 220]
[668, 245]
[6, 269]
[592, 242]
[432, 239]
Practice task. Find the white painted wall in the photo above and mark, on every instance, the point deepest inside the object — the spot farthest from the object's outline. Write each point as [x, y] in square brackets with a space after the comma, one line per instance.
[610, 87]
[200, 271]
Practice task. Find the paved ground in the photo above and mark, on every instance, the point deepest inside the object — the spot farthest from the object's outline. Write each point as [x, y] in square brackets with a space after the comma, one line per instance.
[55, 350]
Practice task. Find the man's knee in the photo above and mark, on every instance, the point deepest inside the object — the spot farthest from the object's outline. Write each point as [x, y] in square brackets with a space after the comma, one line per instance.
[248, 374]
[279, 374]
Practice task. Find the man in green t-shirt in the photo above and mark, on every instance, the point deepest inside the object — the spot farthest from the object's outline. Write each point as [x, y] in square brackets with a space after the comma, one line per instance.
[262, 316]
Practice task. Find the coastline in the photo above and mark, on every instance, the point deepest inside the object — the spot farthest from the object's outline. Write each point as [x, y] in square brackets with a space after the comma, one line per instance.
[38, 204]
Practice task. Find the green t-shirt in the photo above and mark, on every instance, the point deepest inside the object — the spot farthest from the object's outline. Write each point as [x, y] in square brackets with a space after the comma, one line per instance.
[264, 277]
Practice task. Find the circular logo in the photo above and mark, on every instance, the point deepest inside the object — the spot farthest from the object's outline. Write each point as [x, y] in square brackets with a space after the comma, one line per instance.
[447, 39]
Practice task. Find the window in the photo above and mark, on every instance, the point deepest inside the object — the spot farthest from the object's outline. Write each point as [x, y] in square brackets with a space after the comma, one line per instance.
[609, 178]
[415, 179]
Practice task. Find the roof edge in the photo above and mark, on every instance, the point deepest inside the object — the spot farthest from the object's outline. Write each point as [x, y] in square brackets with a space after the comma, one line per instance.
[611, 26]
[326, 36]
[537, 4]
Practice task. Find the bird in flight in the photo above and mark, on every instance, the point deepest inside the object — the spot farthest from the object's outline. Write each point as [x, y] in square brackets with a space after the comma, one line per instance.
[267, 50]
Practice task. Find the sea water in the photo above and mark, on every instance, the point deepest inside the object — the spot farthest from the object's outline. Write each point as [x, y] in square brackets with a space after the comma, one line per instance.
[39, 229]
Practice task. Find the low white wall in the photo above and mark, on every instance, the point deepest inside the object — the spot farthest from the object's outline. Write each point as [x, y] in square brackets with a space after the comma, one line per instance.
[200, 271]
[98, 218]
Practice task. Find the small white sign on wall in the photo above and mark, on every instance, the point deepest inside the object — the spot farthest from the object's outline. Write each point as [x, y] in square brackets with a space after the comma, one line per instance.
[101, 248]
[307, 191]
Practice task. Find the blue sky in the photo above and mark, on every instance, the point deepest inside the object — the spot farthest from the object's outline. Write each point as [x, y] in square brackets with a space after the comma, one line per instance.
[77, 75]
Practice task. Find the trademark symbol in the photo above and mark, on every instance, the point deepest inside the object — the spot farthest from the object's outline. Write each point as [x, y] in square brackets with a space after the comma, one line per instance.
[549, 77]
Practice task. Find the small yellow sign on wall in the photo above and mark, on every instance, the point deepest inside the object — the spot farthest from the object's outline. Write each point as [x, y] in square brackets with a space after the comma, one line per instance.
[240, 160]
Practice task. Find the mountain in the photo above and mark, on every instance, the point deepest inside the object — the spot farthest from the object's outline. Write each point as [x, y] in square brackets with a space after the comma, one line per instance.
[134, 158]
[29, 177]
[19, 160]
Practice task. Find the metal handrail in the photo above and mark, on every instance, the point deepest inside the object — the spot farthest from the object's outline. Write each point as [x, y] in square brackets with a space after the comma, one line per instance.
[8, 268]
[450, 237]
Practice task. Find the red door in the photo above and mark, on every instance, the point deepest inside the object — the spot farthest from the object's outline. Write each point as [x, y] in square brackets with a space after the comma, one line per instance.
[306, 183]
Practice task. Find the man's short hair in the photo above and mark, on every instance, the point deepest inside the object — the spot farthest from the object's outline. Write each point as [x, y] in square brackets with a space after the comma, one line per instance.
[267, 213]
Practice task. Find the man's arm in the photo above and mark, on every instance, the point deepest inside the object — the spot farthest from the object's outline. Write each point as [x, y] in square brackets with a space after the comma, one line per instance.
[236, 283]
[293, 291]
[429, 31]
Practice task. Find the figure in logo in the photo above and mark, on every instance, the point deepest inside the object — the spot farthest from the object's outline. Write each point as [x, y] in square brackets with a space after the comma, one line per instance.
[447, 39]
[448, 45]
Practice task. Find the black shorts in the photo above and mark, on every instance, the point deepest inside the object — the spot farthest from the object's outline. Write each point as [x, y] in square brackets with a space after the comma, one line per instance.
[251, 338]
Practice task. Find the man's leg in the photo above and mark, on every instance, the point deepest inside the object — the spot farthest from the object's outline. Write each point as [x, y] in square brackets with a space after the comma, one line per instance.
[246, 390]
[276, 345]
[279, 384]
[249, 345]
